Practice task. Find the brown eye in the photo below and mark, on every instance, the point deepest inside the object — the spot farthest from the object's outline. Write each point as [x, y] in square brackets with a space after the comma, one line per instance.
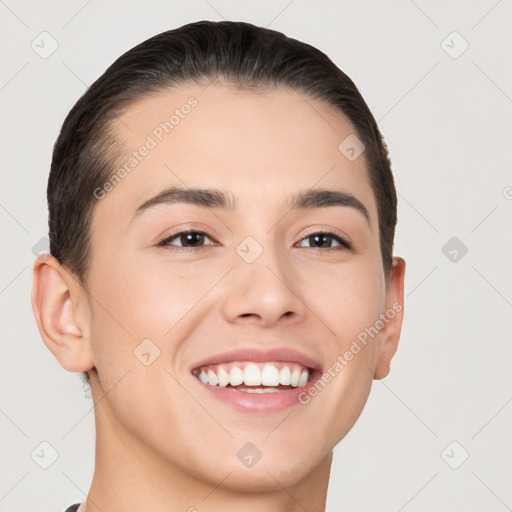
[186, 239]
[325, 241]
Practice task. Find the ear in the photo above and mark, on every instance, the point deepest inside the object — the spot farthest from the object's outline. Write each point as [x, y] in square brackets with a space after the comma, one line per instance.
[62, 314]
[393, 316]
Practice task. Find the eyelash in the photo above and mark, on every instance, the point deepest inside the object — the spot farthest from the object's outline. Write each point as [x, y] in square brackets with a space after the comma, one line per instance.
[344, 244]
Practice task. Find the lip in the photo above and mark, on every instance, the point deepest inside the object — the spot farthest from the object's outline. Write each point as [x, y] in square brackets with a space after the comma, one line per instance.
[259, 403]
[278, 354]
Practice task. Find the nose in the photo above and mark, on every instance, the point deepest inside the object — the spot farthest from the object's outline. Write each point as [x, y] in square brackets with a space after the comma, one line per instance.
[264, 292]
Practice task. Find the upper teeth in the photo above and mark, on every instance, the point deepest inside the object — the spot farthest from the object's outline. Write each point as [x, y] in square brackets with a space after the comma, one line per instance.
[254, 374]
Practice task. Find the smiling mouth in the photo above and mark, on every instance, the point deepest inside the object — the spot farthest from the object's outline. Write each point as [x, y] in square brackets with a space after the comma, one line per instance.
[255, 377]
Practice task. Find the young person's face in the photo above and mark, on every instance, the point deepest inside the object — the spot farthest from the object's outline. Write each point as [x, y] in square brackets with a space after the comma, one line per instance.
[259, 281]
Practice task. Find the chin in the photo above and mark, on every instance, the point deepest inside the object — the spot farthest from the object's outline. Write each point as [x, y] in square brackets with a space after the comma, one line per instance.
[270, 473]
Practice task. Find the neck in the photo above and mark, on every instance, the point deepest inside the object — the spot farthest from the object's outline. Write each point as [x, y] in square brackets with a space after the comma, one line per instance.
[130, 476]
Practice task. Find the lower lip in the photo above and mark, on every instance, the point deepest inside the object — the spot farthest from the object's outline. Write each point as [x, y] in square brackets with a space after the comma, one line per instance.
[258, 402]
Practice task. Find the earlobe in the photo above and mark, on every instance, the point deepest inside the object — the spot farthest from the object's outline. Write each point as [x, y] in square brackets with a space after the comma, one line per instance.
[389, 335]
[60, 314]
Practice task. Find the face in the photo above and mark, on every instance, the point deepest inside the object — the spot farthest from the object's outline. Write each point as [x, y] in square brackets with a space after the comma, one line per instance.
[217, 319]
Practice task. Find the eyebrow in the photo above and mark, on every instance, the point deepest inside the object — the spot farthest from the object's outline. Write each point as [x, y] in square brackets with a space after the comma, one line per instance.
[214, 198]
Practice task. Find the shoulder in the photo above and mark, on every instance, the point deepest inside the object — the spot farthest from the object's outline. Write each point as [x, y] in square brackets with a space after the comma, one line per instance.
[73, 508]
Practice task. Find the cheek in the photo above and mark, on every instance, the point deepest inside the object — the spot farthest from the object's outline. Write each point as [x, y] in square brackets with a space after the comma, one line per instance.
[348, 301]
[135, 302]
[147, 299]
[347, 298]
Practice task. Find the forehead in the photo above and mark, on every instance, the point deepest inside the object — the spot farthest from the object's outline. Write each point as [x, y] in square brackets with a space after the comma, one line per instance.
[261, 148]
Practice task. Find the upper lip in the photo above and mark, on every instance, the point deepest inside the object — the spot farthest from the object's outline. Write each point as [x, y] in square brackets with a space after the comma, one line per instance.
[277, 354]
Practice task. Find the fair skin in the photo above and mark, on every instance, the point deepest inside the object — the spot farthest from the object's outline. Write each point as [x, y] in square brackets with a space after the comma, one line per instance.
[165, 442]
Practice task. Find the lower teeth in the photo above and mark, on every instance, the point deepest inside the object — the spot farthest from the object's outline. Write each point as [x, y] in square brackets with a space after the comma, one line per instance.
[259, 390]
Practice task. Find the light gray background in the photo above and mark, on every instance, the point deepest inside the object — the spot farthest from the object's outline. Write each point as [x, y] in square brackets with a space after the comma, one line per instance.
[448, 125]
